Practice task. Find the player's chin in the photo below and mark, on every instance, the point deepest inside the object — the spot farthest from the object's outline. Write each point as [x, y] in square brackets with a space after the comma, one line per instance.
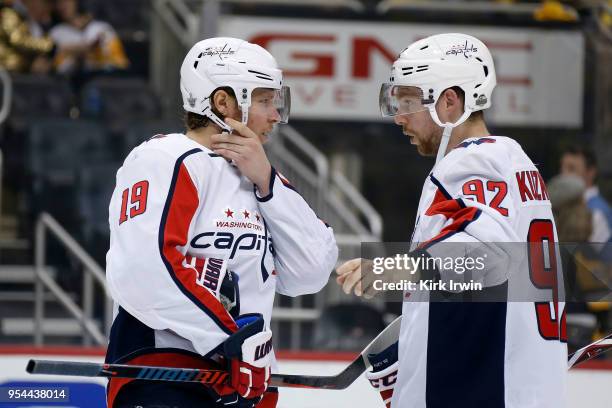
[425, 150]
[268, 134]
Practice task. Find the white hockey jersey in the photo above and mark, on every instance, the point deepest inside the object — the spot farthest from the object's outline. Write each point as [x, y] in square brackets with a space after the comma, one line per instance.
[495, 354]
[180, 216]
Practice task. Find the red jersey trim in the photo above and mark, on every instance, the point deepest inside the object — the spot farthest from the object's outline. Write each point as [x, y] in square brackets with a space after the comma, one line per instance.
[180, 207]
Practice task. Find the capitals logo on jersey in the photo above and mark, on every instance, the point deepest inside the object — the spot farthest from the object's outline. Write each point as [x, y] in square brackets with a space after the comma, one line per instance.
[239, 232]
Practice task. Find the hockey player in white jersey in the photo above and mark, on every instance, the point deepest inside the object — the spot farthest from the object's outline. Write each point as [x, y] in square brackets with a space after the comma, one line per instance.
[204, 231]
[482, 189]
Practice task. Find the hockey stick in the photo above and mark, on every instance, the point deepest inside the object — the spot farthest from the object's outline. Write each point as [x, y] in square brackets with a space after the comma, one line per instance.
[590, 351]
[335, 382]
[204, 376]
[347, 376]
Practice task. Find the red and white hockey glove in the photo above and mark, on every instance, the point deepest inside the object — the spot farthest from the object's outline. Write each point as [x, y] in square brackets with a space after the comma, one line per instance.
[384, 372]
[249, 354]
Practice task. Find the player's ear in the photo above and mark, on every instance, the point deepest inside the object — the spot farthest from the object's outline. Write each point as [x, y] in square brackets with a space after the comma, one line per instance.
[445, 104]
[223, 102]
[453, 103]
[452, 98]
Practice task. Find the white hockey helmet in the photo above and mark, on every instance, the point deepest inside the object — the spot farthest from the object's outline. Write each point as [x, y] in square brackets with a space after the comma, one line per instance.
[434, 64]
[230, 62]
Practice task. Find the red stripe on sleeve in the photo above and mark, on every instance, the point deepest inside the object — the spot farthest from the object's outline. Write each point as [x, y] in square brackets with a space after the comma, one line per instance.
[183, 205]
[450, 209]
[440, 205]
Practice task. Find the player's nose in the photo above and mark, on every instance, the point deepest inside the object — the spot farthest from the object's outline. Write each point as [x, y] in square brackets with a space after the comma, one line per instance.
[275, 116]
[399, 119]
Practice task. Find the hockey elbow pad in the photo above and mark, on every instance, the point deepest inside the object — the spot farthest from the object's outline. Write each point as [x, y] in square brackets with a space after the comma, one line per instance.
[384, 372]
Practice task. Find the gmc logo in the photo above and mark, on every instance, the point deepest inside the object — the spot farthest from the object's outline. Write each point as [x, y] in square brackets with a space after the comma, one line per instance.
[324, 63]
[363, 50]
[347, 62]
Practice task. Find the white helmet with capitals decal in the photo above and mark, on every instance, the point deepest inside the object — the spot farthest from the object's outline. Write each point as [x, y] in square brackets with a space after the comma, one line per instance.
[230, 62]
[431, 65]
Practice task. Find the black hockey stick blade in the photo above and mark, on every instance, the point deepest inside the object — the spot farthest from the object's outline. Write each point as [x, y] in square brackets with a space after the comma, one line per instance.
[590, 351]
[81, 369]
[345, 378]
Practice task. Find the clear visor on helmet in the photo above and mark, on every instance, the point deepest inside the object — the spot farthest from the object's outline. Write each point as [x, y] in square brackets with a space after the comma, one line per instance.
[276, 101]
[400, 100]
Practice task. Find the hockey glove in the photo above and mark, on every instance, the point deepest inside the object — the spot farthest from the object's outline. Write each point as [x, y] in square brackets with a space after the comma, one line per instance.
[249, 355]
[384, 372]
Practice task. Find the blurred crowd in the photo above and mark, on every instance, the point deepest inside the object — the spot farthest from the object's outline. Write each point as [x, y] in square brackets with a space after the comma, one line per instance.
[57, 36]
[66, 37]
[584, 226]
[547, 10]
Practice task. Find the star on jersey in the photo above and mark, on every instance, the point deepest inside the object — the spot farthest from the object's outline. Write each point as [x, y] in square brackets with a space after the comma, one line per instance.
[246, 214]
[257, 217]
[229, 213]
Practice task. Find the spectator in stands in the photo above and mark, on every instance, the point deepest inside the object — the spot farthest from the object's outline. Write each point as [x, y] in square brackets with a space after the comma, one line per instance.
[40, 17]
[572, 216]
[579, 213]
[581, 161]
[554, 10]
[22, 50]
[103, 49]
[573, 222]
[40, 20]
